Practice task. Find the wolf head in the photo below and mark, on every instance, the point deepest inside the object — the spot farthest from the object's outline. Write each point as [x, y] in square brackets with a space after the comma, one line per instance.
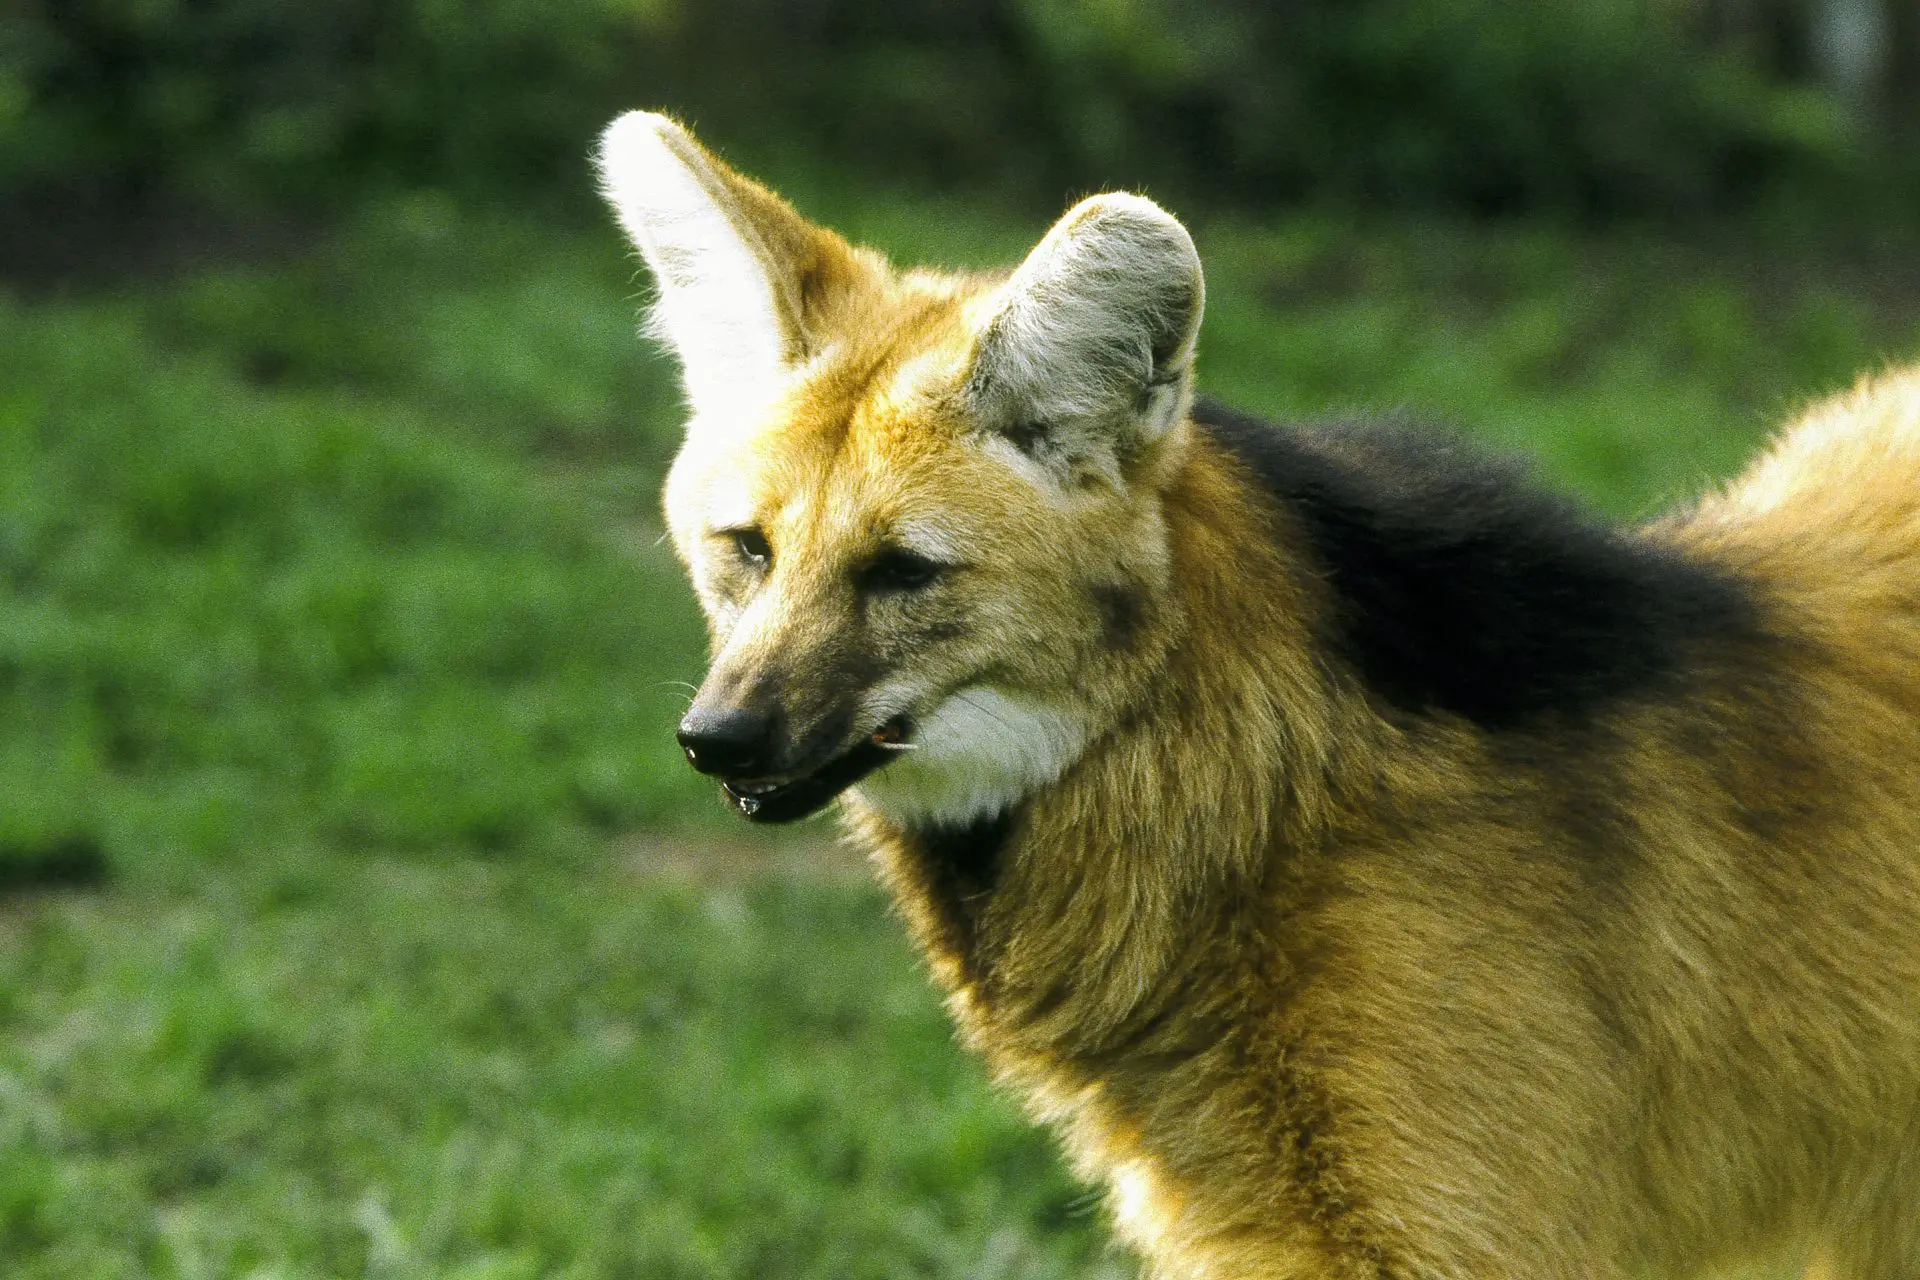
[920, 509]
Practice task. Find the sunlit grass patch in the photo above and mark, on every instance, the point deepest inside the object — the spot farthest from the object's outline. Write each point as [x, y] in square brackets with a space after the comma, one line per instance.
[236, 614]
[443, 1067]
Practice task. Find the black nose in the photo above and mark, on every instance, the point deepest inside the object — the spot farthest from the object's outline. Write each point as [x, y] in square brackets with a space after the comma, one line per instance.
[733, 741]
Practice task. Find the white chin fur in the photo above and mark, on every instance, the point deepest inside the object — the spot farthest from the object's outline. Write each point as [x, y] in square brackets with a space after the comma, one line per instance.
[976, 756]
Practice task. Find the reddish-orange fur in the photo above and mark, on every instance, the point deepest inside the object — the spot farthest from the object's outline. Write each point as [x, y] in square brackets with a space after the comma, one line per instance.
[1323, 990]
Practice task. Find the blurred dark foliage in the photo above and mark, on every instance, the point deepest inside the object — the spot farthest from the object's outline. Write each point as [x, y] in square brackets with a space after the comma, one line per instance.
[1650, 108]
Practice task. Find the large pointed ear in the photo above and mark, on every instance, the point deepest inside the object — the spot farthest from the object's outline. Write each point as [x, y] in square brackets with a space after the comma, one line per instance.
[744, 281]
[1086, 361]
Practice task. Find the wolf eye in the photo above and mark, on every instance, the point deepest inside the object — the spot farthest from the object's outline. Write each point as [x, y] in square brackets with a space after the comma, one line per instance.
[898, 570]
[752, 546]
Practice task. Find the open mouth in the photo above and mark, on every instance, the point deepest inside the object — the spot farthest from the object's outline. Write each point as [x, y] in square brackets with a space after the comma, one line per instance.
[763, 800]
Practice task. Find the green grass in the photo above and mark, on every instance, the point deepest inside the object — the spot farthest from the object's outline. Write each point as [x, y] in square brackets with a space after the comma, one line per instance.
[425, 1067]
[326, 609]
[337, 653]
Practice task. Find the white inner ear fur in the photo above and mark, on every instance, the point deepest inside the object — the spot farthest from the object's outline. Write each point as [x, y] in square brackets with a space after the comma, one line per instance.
[716, 305]
[1097, 325]
[977, 755]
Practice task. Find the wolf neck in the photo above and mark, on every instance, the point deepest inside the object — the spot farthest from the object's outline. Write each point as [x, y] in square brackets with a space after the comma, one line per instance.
[1065, 921]
[1346, 611]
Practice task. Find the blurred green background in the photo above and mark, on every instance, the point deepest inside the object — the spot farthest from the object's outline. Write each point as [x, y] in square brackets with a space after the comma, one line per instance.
[357, 916]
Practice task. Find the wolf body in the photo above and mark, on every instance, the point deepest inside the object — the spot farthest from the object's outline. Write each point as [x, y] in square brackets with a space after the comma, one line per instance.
[1370, 865]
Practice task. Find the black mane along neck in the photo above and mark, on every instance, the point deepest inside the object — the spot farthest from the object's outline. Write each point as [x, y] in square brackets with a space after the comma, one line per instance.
[1462, 586]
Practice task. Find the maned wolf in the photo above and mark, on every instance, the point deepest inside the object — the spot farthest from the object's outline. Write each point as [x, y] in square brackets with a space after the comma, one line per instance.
[1370, 864]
